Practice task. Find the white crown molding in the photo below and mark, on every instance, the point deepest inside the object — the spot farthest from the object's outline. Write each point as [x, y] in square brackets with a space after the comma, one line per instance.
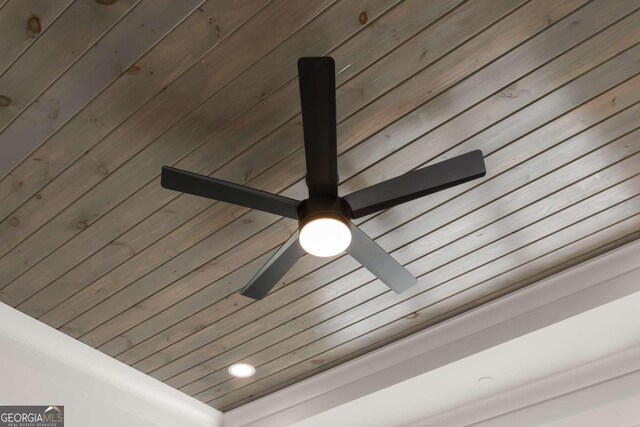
[604, 279]
[584, 388]
[588, 399]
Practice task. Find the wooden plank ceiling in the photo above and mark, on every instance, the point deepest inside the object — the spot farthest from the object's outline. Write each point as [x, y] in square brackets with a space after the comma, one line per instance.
[95, 96]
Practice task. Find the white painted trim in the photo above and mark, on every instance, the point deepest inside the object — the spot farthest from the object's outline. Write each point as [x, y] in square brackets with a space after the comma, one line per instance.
[609, 378]
[588, 398]
[581, 288]
[39, 347]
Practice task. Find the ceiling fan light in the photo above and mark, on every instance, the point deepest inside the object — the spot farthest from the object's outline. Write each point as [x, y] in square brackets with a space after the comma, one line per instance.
[325, 237]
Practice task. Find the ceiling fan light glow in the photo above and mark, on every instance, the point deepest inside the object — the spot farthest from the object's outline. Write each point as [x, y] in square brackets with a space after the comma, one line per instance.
[325, 237]
[242, 370]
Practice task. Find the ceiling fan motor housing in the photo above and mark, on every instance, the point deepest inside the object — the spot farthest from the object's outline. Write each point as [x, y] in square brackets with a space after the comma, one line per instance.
[322, 206]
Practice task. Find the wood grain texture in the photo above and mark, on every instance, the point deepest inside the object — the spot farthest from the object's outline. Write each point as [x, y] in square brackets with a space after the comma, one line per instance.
[180, 238]
[184, 46]
[261, 156]
[49, 57]
[92, 245]
[345, 286]
[107, 59]
[553, 129]
[282, 300]
[114, 54]
[454, 230]
[585, 117]
[122, 146]
[234, 168]
[614, 231]
[276, 361]
[23, 22]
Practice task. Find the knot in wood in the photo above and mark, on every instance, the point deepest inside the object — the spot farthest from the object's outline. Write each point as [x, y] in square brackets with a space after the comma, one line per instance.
[33, 24]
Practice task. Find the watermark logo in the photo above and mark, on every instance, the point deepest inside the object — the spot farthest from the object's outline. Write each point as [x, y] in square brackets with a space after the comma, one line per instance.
[32, 416]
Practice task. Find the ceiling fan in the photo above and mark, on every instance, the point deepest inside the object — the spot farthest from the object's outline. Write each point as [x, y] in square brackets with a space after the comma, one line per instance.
[325, 217]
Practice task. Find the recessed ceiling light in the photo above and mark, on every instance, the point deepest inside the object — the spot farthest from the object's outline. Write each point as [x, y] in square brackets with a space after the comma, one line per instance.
[242, 370]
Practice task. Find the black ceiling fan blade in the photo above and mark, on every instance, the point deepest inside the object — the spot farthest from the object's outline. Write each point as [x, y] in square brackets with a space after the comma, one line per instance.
[317, 80]
[375, 259]
[205, 186]
[417, 183]
[277, 266]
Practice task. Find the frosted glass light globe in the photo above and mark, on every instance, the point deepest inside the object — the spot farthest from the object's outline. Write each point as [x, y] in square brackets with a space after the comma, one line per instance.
[242, 370]
[325, 237]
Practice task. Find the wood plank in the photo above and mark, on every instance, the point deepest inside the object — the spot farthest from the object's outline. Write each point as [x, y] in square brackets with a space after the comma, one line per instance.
[152, 275]
[76, 30]
[563, 254]
[108, 307]
[178, 207]
[503, 246]
[36, 15]
[455, 304]
[458, 303]
[282, 296]
[177, 52]
[267, 153]
[427, 244]
[561, 124]
[155, 284]
[157, 115]
[432, 145]
[562, 146]
[574, 122]
[177, 234]
[612, 67]
[156, 224]
[603, 219]
[347, 284]
[460, 129]
[407, 131]
[197, 308]
[105, 61]
[205, 386]
[198, 304]
[100, 163]
[475, 296]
